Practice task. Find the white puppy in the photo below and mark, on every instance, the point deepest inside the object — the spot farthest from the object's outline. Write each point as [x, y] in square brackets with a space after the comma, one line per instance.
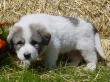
[36, 34]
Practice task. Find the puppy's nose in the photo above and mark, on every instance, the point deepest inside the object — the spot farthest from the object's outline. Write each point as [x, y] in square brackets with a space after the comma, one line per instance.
[27, 56]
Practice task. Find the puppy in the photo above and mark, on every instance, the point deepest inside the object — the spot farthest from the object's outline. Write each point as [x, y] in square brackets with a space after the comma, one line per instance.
[36, 34]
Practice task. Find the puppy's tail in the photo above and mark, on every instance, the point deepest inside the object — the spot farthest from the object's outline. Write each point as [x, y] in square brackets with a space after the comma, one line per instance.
[98, 46]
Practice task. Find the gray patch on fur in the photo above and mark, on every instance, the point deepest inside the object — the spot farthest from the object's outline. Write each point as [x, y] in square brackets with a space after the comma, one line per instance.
[38, 35]
[17, 39]
[41, 33]
[35, 33]
[94, 28]
[73, 20]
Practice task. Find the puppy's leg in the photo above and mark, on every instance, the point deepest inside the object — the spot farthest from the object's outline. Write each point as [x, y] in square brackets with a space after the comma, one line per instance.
[91, 59]
[51, 58]
[26, 64]
[88, 53]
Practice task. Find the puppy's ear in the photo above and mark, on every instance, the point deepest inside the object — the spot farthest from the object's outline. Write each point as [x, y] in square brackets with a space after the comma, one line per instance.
[42, 31]
[46, 38]
[12, 31]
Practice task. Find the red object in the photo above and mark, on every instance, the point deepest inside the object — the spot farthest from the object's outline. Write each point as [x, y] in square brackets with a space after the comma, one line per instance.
[2, 45]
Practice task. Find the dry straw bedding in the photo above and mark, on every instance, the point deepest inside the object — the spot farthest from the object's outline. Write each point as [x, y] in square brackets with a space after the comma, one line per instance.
[96, 11]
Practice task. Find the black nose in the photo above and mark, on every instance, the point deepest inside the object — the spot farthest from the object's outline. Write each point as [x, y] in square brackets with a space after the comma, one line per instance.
[27, 56]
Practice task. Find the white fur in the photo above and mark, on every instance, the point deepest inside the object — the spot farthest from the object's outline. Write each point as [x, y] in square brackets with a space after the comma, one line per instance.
[27, 48]
[64, 37]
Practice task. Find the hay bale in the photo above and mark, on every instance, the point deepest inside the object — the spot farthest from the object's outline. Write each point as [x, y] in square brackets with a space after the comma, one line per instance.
[96, 11]
[106, 48]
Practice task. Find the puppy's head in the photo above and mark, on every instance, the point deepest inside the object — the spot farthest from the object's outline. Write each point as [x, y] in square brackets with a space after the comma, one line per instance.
[29, 42]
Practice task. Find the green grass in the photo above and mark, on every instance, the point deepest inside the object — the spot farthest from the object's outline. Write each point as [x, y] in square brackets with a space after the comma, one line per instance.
[64, 74]
[3, 33]
[10, 72]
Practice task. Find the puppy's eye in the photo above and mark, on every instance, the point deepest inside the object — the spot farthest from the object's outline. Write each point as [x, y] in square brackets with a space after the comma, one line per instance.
[33, 42]
[20, 43]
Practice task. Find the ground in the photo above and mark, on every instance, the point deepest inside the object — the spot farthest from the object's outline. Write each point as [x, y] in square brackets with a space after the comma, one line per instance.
[96, 11]
[61, 74]
[10, 72]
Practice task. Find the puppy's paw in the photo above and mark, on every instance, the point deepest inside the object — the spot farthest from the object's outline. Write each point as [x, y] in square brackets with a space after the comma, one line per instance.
[26, 64]
[90, 67]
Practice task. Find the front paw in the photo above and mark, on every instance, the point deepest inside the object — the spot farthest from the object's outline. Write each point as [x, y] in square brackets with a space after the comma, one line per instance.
[25, 64]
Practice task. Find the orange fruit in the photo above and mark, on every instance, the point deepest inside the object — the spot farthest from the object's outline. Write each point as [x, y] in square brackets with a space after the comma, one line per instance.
[2, 43]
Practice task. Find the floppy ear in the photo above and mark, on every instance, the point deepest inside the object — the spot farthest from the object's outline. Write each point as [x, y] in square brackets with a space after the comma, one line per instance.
[12, 31]
[10, 36]
[42, 31]
[46, 39]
